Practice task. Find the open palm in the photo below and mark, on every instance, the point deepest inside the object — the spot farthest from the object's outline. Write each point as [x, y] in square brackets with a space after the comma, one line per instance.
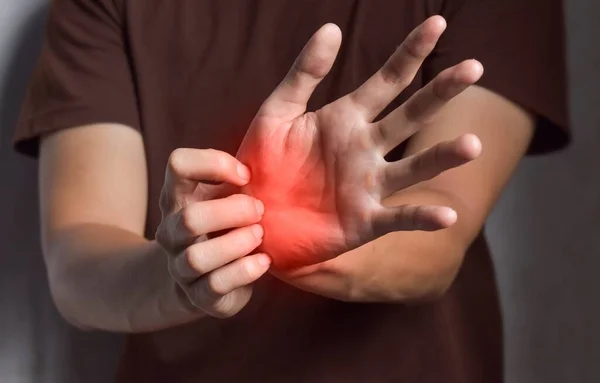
[322, 175]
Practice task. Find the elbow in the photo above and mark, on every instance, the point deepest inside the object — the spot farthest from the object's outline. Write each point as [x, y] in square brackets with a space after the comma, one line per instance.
[61, 284]
[62, 291]
[71, 318]
[62, 298]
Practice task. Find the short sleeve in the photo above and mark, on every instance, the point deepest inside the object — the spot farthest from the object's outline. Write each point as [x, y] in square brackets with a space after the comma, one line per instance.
[83, 75]
[521, 44]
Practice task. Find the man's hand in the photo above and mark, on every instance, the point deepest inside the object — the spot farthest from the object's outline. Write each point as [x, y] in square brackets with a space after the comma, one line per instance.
[216, 274]
[322, 175]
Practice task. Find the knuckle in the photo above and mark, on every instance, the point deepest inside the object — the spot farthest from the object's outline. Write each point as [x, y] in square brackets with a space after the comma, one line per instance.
[216, 284]
[403, 80]
[241, 239]
[416, 163]
[189, 218]
[239, 198]
[428, 163]
[220, 160]
[169, 200]
[194, 259]
[247, 271]
[413, 111]
[212, 153]
[437, 156]
[221, 284]
[232, 303]
[177, 161]
[414, 47]
[245, 239]
[225, 307]
[161, 235]
[195, 297]
[245, 204]
[164, 201]
[420, 217]
[173, 272]
[201, 296]
[442, 87]
[393, 75]
[411, 213]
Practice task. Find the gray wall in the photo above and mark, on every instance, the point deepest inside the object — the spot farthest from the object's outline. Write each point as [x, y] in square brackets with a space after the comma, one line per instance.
[542, 234]
[36, 346]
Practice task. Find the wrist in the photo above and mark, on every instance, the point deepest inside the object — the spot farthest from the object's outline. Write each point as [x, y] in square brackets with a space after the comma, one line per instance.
[331, 279]
[169, 304]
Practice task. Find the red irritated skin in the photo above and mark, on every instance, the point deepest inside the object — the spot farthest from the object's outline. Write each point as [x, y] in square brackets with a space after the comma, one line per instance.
[301, 221]
[322, 175]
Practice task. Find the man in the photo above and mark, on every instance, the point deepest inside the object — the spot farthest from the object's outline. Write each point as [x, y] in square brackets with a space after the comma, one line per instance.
[302, 231]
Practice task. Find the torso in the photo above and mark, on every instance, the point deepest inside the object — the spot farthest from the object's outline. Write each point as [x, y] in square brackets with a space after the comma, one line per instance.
[202, 68]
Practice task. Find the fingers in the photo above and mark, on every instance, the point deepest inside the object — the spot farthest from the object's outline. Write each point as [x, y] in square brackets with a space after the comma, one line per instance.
[411, 218]
[217, 274]
[213, 292]
[230, 304]
[225, 291]
[400, 69]
[424, 104]
[199, 218]
[429, 163]
[202, 258]
[289, 99]
[187, 167]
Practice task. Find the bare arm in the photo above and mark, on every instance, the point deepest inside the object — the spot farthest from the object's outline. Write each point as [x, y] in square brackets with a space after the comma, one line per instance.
[417, 265]
[103, 273]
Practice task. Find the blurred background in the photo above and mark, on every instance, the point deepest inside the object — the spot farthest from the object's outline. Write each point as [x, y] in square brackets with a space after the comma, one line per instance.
[542, 235]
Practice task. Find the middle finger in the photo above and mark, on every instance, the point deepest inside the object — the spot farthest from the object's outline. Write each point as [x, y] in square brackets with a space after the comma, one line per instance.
[200, 218]
[203, 257]
[399, 71]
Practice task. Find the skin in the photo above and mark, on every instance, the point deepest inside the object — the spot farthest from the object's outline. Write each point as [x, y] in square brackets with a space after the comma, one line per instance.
[396, 232]
[322, 174]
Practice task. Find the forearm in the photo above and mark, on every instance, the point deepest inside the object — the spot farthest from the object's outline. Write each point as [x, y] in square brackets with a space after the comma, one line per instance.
[106, 278]
[406, 267]
[400, 267]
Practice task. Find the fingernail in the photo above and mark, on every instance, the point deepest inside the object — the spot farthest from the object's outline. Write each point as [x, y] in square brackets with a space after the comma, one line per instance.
[243, 172]
[441, 22]
[450, 215]
[258, 231]
[260, 207]
[263, 260]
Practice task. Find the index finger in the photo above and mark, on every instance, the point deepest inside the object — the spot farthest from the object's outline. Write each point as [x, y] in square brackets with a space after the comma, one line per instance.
[289, 99]
[188, 167]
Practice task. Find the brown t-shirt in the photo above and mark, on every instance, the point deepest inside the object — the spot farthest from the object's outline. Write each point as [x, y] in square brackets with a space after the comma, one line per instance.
[192, 73]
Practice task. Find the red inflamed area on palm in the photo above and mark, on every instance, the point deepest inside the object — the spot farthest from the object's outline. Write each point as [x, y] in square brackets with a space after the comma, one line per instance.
[300, 223]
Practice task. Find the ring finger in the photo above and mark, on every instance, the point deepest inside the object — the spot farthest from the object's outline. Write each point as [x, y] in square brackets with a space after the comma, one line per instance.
[205, 217]
[429, 163]
[424, 104]
[203, 257]
[222, 292]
